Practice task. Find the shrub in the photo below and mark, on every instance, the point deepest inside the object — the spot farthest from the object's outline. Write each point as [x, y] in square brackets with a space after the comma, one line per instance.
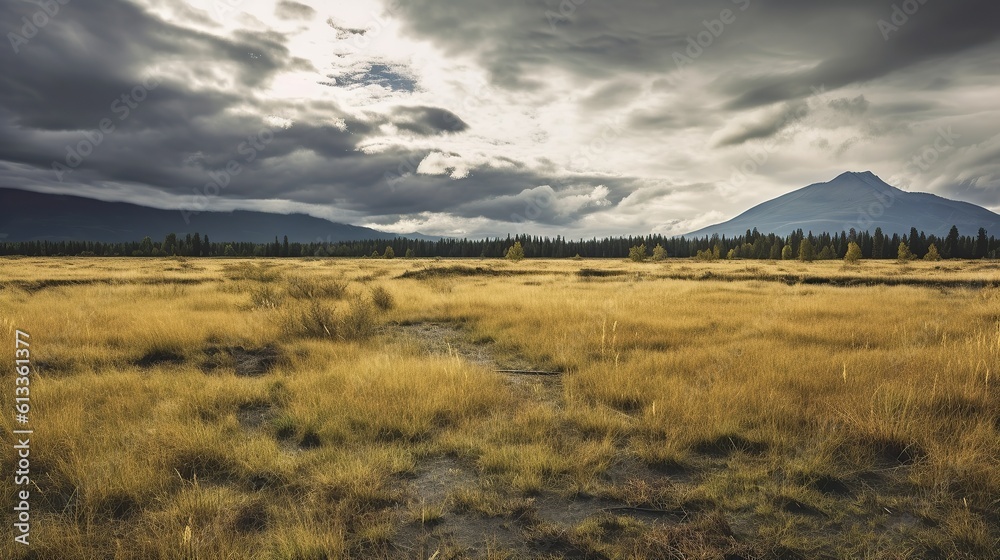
[360, 321]
[312, 288]
[259, 272]
[637, 254]
[853, 253]
[807, 253]
[904, 254]
[389, 253]
[932, 254]
[515, 252]
[659, 253]
[264, 297]
[316, 320]
[708, 255]
[382, 298]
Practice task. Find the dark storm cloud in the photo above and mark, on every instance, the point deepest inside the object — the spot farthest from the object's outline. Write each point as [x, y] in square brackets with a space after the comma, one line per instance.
[184, 131]
[767, 126]
[867, 51]
[428, 121]
[746, 79]
[840, 42]
[101, 62]
[293, 10]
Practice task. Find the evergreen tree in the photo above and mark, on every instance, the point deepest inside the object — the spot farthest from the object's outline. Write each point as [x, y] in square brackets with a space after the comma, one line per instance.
[169, 244]
[904, 253]
[146, 247]
[637, 253]
[806, 251]
[982, 245]
[914, 242]
[878, 244]
[951, 244]
[659, 253]
[853, 255]
[932, 253]
[515, 252]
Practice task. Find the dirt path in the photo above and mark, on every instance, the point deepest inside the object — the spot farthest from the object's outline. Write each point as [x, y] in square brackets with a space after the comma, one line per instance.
[450, 339]
[476, 535]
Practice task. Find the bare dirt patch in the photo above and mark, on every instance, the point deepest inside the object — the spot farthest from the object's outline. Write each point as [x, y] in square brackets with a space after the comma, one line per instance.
[245, 362]
[253, 416]
[451, 339]
[159, 356]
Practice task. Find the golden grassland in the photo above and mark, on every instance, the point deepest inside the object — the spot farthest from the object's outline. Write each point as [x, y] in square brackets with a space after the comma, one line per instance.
[305, 409]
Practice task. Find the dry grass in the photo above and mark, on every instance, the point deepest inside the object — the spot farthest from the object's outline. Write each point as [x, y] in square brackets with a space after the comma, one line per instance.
[769, 410]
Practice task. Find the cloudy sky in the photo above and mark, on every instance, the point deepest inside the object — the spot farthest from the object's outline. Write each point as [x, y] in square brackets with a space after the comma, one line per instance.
[479, 117]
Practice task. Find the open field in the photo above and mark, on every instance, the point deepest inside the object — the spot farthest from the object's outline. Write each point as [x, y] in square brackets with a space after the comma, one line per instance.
[323, 408]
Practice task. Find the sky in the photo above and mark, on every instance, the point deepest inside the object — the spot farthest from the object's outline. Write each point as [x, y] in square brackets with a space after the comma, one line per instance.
[475, 118]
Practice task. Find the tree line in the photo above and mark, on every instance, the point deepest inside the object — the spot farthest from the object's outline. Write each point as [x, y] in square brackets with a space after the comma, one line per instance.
[751, 245]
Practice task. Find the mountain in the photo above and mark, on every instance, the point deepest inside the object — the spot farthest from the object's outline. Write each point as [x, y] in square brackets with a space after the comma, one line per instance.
[861, 201]
[31, 216]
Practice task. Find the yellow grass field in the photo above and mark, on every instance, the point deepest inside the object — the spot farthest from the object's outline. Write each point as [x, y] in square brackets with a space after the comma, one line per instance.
[413, 408]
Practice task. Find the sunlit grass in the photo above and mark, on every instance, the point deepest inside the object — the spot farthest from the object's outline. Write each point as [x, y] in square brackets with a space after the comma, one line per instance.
[800, 413]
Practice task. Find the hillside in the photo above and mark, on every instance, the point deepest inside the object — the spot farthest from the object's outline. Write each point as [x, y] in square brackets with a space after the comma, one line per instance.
[861, 201]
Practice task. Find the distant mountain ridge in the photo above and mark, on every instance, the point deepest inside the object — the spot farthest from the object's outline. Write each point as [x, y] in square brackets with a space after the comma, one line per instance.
[861, 201]
[31, 216]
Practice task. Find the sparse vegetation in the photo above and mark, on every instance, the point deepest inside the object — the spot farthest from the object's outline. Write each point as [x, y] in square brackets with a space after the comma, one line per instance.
[383, 298]
[300, 287]
[904, 253]
[932, 254]
[266, 409]
[807, 253]
[853, 255]
[659, 253]
[515, 252]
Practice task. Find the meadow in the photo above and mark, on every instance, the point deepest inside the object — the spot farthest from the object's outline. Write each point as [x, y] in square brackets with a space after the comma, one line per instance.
[437, 409]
